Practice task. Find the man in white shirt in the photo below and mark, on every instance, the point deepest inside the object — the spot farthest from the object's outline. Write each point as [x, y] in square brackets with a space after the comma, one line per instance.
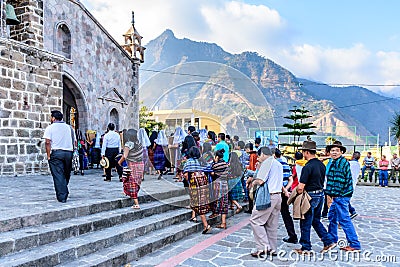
[395, 165]
[265, 222]
[60, 139]
[110, 149]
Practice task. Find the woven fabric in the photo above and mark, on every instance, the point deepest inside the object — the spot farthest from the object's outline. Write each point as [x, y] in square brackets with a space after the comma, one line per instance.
[199, 192]
[235, 189]
[132, 178]
[221, 193]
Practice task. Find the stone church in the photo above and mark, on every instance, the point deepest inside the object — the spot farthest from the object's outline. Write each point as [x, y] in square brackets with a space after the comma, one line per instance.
[55, 55]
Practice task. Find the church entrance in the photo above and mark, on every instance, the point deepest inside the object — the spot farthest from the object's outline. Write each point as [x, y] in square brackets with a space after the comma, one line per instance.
[74, 106]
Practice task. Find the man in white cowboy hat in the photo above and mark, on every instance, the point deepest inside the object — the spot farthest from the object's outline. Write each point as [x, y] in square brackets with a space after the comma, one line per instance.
[339, 186]
[312, 181]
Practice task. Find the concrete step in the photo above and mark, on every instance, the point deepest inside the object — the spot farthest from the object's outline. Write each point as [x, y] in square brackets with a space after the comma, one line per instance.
[136, 248]
[71, 249]
[34, 236]
[132, 250]
[89, 207]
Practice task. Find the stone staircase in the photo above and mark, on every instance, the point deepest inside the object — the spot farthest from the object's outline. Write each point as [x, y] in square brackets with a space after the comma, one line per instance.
[108, 233]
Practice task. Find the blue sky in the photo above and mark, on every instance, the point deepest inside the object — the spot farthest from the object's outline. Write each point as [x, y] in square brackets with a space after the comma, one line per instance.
[353, 42]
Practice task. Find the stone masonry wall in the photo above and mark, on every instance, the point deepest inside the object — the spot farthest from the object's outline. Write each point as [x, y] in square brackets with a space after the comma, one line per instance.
[99, 64]
[30, 86]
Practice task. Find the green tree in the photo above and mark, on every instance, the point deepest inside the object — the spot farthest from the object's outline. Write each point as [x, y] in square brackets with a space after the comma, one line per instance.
[395, 129]
[145, 120]
[298, 127]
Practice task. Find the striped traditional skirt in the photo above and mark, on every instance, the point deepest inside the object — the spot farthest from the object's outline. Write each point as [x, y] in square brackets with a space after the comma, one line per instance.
[221, 193]
[235, 189]
[199, 193]
[132, 178]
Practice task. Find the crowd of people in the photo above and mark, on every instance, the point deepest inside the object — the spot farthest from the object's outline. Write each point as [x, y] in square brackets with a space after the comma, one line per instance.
[219, 173]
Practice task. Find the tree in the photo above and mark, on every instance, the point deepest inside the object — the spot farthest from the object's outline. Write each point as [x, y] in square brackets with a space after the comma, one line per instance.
[145, 120]
[395, 129]
[298, 128]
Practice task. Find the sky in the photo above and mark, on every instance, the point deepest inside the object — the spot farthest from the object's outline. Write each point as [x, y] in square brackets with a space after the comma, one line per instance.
[355, 42]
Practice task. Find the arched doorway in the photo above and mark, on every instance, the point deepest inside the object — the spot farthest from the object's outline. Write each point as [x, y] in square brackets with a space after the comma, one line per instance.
[74, 105]
[114, 118]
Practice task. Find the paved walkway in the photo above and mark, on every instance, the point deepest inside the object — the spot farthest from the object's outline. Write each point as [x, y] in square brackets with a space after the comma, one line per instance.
[378, 226]
[24, 195]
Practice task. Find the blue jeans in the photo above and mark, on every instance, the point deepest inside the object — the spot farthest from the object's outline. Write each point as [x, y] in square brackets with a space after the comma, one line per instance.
[383, 178]
[372, 168]
[313, 218]
[339, 213]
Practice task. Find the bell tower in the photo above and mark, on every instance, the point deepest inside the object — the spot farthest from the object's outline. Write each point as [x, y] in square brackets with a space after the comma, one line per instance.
[133, 42]
[30, 15]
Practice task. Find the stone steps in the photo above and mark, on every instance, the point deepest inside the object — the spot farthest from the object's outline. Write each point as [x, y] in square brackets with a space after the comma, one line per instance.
[34, 236]
[134, 249]
[97, 233]
[72, 248]
[86, 208]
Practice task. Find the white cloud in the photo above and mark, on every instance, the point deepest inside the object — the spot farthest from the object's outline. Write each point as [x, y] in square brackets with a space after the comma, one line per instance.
[237, 27]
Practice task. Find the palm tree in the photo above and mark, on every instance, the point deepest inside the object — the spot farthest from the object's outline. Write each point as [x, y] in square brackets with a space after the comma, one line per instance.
[395, 129]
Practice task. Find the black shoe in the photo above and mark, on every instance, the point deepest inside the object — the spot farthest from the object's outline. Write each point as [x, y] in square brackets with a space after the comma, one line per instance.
[63, 201]
[107, 180]
[82, 173]
[290, 240]
[248, 211]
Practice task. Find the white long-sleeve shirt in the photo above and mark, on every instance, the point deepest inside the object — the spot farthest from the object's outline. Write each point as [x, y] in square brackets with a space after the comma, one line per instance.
[111, 140]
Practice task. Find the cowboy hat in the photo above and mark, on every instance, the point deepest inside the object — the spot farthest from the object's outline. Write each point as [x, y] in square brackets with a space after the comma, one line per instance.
[336, 144]
[309, 145]
[104, 162]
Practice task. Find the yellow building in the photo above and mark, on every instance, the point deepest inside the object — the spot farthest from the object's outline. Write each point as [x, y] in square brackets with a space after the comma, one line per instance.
[187, 117]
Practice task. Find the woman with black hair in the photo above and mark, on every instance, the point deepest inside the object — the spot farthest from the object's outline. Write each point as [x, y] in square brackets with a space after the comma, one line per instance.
[198, 187]
[220, 173]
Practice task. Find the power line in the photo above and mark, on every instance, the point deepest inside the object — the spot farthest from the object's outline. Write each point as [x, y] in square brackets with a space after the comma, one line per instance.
[273, 81]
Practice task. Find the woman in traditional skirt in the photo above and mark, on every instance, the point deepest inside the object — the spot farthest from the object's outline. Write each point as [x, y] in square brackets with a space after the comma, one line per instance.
[220, 172]
[234, 181]
[198, 187]
[159, 156]
[133, 175]
[145, 142]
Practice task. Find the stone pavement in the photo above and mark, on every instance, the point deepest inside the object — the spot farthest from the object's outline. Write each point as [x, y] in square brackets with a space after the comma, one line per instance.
[24, 195]
[378, 227]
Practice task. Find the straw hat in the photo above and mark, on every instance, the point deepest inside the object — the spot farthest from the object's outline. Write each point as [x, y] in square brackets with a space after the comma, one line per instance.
[104, 162]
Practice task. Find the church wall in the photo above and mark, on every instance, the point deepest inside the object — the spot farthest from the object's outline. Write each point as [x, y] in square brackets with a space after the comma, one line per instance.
[31, 81]
[97, 64]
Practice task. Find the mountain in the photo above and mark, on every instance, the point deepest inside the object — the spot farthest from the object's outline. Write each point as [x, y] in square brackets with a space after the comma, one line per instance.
[250, 92]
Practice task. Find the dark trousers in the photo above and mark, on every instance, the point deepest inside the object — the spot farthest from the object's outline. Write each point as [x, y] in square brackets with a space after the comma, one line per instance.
[313, 218]
[111, 153]
[60, 164]
[287, 218]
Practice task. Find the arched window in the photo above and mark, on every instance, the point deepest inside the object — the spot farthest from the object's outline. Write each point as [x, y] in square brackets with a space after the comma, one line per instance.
[114, 118]
[63, 41]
